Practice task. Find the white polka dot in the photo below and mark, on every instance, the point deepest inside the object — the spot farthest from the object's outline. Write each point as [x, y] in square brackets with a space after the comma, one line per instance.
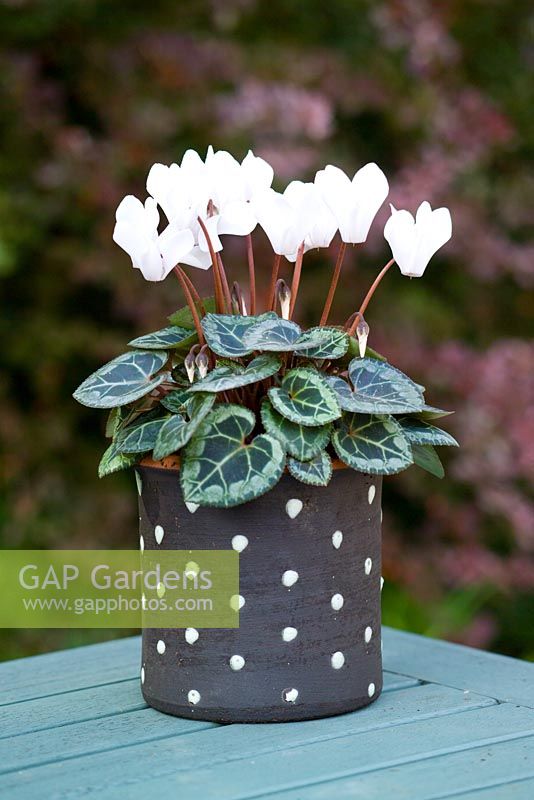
[337, 538]
[191, 570]
[368, 566]
[237, 663]
[337, 602]
[371, 689]
[239, 543]
[141, 544]
[142, 675]
[290, 695]
[337, 660]
[381, 583]
[237, 601]
[293, 508]
[192, 507]
[368, 634]
[288, 634]
[160, 590]
[290, 577]
[193, 697]
[159, 533]
[191, 635]
[371, 494]
[160, 647]
[139, 483]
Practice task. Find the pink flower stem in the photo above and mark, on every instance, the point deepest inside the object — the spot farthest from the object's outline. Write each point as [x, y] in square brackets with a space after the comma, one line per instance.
[333, 283]
[296, 279]
[274, 278]
[182, 277]
[217, 282]
[251, 275]
[356, 317]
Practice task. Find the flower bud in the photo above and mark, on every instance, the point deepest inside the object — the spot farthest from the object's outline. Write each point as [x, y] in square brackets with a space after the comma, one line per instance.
[238, 301]
[189, 363]
[362, 332]
[202, 362]
[284, 297]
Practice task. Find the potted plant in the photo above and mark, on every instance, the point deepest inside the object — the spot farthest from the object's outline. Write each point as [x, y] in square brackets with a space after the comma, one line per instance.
[248, 432]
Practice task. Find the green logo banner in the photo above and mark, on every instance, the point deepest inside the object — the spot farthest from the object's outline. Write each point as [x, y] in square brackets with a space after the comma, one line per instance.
[119, 589]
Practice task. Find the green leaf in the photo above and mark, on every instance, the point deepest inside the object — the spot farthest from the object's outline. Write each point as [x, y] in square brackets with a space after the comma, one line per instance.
[176, 432]
[164, 339]
[183, 317]
[316, 472]
[344, 394]
[273, 334]
[326, 342]
[301, 442]
[123, 380]
[221, 469]
[113, 421]
[225, 333]
[304, 397]
[429, 413]
[420, 432]
[139, 438]
[223, 378]
[176, 401]
[426, 457]
[372, 444]
[112, 461]
[380, 388]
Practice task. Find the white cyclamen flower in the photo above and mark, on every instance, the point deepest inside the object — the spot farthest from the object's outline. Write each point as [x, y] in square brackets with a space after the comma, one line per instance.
[354, 203]
[136, 231]
[413, 242]
[297, 216]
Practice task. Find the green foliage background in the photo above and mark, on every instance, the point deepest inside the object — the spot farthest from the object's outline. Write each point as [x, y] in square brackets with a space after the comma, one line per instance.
[439, 94]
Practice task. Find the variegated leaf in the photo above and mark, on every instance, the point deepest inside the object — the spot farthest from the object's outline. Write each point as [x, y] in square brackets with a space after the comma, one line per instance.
[112, 461]
[223, 378]
[140, 438]
[123, 380]
[322, 343]
[183, 317]
[165, 339]
[380, 388]
[420, 432]
[176, 401]
[304, 397]
[316, 472]
[221, 469]
[372, 444]
[225, 333]
[176, 432]
[300, 441]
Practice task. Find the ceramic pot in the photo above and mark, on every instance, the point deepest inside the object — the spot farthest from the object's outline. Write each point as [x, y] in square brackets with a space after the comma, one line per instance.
[308, 644]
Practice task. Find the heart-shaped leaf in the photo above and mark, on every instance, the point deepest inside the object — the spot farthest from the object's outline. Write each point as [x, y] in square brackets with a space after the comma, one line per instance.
[176, 432]
[164, 339]
[223, 378]
[426, 457]
[372, 444]
[321, 343]
[140, 438]
[123, 380]
[380, 388]
[304, 397]
[316, 472]
[344, 394]
[176, 401]
[273, 334]
[221, 469]
[301, 442]
[225, 334]
[420, 432]
[112, 461]
[183, 317]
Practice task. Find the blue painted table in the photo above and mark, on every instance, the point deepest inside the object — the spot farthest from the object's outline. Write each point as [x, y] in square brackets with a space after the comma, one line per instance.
[452, 722]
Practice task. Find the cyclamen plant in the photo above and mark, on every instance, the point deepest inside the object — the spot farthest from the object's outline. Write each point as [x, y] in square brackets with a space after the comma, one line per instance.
[241, 393]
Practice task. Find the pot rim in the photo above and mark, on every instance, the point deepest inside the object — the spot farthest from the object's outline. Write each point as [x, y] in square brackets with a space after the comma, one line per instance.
[172, 463]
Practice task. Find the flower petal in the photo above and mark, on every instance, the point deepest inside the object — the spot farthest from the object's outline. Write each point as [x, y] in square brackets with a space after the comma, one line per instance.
[400, 234]
[370, 188]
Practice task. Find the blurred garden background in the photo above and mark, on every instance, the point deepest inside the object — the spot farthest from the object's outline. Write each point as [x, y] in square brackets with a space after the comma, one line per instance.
[439, 94]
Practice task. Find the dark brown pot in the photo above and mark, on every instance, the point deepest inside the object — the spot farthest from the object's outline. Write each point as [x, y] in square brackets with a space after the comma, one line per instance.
[333, 664]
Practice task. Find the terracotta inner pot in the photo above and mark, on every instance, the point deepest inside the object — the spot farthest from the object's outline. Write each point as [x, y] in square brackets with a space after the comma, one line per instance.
[308, 644]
